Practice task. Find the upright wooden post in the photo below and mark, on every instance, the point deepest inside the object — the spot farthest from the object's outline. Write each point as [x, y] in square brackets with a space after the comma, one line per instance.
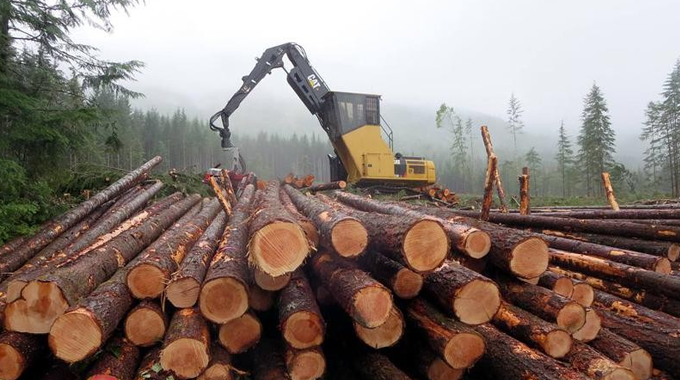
[488, 187]
[609, 191]
[496, 176]
[524, 208]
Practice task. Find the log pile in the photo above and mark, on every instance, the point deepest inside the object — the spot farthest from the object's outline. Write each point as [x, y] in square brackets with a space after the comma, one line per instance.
[271, 283]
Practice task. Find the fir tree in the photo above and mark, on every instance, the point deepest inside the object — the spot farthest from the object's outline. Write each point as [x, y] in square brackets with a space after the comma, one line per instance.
[515, 124]
[564, 157]
[596, 139]
[446, 117]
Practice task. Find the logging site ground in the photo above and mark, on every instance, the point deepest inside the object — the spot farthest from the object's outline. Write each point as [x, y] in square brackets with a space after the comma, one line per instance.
[473, 190]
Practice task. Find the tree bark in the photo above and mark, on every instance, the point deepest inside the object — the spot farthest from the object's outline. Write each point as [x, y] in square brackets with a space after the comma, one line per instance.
[268, 362]
[491, 167]
[405, 283]
[49, 296]
[375, 366]
[466, 239]
[118, 361]
[240, 334]
[221, 195]
[665, 213]
[277, 243]
[609, 192]
[624, 352]
[486, 137]
[337, 185]
[364, 299]
[508, 358]
[67, 220]
[340, 233]
[186, 348]
[472, 298]
[300, 320]
[224, 293]
[524, 208]
[458, 344]
[146, 324]
[586, 360]
[185, 285]
[150, 367]
[432, 367]
[17, 353]
[148, 277]
[310, 229]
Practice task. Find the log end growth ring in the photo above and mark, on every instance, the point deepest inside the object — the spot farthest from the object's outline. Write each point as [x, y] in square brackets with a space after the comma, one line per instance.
[183, 293]
[477, 302]
[477, 244]
[185, 357]
[407, 284]
[572, 317]
[74, 336]
[439, 370]
[663, 265]
[425, 246]
[372, 305]
[303, 330]
[529, 258]
[144, 327]
[591, 328]
[564, 286]
[223, 299]
[464, 349]
[12, 362]
[385, 335]
[557, 343]
[279, 248]
[267, 282]
[674, 252]
[35, 313]
[240, 334]
[640, 362]
[583, 294]
[307, 365]
[146, 281]
[349, 238]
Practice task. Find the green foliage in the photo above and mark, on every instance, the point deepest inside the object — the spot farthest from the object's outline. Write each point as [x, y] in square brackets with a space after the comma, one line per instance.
[565, 159]
[446, 117]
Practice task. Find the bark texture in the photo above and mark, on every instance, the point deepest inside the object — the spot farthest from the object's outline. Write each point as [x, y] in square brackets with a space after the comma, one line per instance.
[624, 352]
[373, 365]
[118, 361]
[405, 283]
[300, 320]
[17, 353]
[486, 137]
[592, 363]
[337, 185]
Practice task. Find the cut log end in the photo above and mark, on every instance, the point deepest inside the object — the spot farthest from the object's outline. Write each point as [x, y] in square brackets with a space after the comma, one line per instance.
[217, 372]
[144, 327]
[373, 305]
[464, 349]
[564, 286]
[75, 336]
[557, 343]
[303, 330]
[146, 281]
[583, 294]
[349, 238]
[42, 303]
[477, 302]
[439, 370]
[239, 335]
[529, 258]
[279, 248]
[385, 335]
[663, 265]
[673, 252]
[185, 357]
[425, 246]
[640, 362]
[183, 293]
[477, 244]
[223, 299]
[572, 317]
[307, 365]
[591, 328]
[267, 282]
[12, 363]
[14, 289]
[407, 284]
[260, 299]
[619, 374]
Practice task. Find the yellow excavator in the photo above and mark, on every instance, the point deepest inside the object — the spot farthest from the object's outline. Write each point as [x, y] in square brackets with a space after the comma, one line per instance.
[352, 122]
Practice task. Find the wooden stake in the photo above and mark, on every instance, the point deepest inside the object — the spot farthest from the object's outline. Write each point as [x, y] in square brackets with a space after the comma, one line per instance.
[488, 187]
[486, 137]
[609, 191]
[524, 208]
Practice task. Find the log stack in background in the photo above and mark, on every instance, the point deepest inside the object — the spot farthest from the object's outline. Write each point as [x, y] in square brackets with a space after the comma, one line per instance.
[277, 284]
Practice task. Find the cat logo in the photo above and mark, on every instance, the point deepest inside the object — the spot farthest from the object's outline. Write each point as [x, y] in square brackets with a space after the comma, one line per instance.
[313, 81]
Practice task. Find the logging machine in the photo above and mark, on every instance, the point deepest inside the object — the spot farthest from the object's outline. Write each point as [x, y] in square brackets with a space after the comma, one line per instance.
[352, 122]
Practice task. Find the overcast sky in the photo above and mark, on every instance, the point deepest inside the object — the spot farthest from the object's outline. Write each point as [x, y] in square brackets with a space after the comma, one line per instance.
[471, 54]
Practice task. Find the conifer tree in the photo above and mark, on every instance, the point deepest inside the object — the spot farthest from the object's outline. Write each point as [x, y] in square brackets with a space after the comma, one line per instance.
[515, 124]
[564, 157]
[446, 117]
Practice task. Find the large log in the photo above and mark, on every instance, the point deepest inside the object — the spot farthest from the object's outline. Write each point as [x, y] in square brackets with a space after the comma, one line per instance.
[585, 359]
[300, 320]
[307, 364]
[185, 284]
[545, 304]
[652, 247]
[260, 299]
[337, 185]
[466, 239]
[405, 283]
[47, 297]
[625, 353]
[152, 272]
[224, 293]
[458, 344]
[621, 273]
[310, 229]
[432, 367]
[469, 296]
[549, 338]
[591, 328]
[186, 348]
[375, 366]
[277, 245]
[338, 232]
[385, 335]
[668, 213]
[240, 334]
[649, 299]
[364, 299]
[420, 243]
[609, 191]
[220, 367]
[56, 227]
[508, 358]
[560, 284]
[146, 324]
[17, 353]
[118, 361]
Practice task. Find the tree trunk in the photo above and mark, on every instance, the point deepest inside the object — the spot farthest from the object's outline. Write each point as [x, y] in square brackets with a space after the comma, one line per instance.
[300, 320]
[621, 273]
[146, 324]
[466, 239]
[486, 137]
[118, 361]
[375, 366]
[492, 165]
[186, 348]
[220, 367]
[240, 334]
[545, 304]
[432, 367]
[632, 214]
[364, 299]
[508, 358]
[150, 274]
[385, 335]
[185, 285]
[224, 293]
[458, 344]
[17, 353]
[221, 195]
[310, 229]
[552, 340]
[67, 220]
[405, 283]
[586, 360]
[338, 232]
[49, 296]
[337, 185]
[524, 208]
[624, 352]
[560, 284]
[609, 192]
[468, 295]
[277, 243]
[305, 364]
